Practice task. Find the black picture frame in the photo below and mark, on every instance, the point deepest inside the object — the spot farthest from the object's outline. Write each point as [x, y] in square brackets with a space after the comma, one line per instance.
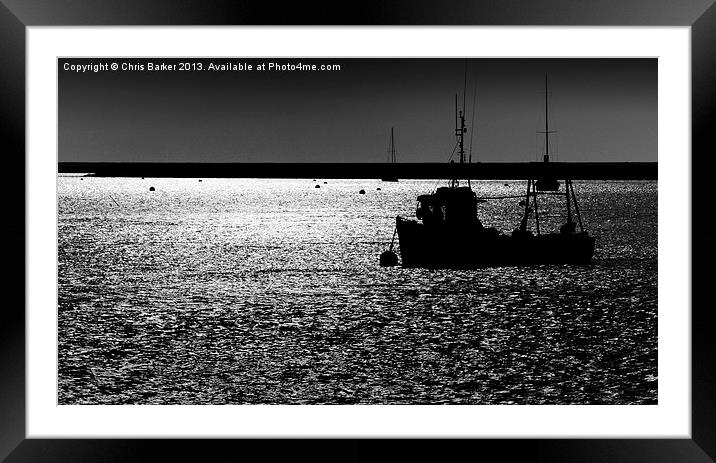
[700, 15]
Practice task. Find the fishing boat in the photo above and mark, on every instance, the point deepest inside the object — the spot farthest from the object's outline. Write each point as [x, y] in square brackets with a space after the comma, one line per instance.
[546, 182]
[390, 175]
[447, 232]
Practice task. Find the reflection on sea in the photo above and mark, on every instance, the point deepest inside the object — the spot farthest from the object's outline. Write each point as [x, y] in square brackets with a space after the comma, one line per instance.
[235, 291]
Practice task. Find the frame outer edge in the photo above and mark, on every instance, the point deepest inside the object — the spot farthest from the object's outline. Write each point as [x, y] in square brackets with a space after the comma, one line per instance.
[703, 158]
[12, 326]
[354, 12]
[12, 117]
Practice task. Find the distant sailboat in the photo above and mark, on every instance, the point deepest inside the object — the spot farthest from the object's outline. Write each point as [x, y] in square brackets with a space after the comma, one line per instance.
[547, 182]
[390, 177]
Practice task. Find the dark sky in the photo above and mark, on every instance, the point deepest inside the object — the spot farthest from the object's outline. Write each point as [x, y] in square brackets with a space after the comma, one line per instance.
[602, 109]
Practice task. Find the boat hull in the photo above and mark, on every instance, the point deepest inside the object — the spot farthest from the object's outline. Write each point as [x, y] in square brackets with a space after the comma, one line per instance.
[469, 247]
[547, 184]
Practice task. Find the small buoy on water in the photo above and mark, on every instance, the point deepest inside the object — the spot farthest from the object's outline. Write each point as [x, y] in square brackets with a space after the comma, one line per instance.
[361, 192]
[325, 183]
[151, 188]
[314, 179]
[82, 178]
[200, 180]
[318, 186]
[377, 189]
[507, 184]
[388, 259]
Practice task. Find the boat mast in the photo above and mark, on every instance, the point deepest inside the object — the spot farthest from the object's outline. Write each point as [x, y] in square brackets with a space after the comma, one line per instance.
[462, 117]
[460, 133]
[460, 130]
[546, 132]
[546, 122]
[392, 146]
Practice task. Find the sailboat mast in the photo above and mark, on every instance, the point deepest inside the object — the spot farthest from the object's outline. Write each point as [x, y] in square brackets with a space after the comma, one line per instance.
[546, 122]
[392, 146]
[390, 143]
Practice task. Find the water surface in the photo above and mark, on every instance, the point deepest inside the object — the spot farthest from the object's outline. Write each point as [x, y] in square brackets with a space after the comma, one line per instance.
[236, 291]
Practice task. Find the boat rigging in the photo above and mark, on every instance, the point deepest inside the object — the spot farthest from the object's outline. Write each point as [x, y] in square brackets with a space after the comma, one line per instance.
[447, 232]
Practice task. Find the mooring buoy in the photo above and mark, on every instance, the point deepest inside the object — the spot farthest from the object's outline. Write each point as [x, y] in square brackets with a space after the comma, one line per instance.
[377, 189]
[151, 188]
[362, 192]
[318, 186]
[388, 259]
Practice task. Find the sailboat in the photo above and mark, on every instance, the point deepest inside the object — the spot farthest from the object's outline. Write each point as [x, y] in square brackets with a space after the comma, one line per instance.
[447, 232]
[390, 175]
[546, 182]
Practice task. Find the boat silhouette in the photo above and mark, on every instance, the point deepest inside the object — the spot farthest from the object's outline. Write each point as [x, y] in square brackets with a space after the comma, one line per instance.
[390, 176]
[447, 232]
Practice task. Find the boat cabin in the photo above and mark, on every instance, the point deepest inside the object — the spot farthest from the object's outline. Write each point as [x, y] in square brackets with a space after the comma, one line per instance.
[448, 206]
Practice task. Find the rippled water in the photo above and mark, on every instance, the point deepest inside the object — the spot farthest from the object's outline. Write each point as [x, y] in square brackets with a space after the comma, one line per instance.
[233, 291]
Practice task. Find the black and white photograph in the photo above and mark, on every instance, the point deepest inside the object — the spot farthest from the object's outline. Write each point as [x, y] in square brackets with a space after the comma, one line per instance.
[364, 231]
